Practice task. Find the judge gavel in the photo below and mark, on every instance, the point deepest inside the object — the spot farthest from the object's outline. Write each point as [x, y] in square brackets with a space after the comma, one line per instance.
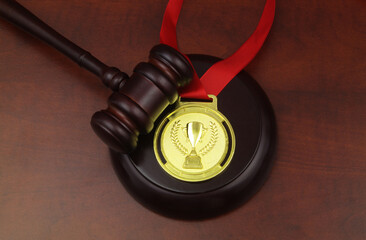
[137, 101]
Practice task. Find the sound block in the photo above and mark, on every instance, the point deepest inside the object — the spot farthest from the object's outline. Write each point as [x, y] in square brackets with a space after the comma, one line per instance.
[250, 113]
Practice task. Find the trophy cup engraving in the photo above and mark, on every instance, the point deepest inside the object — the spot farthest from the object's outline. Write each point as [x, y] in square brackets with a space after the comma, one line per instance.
[194, 133]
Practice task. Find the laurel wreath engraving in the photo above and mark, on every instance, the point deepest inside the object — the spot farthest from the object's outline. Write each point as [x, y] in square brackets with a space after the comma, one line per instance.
[175, 140]
[210, 145]
[213, 139]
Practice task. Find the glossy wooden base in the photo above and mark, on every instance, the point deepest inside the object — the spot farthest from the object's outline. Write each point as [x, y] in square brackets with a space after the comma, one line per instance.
[249, 111]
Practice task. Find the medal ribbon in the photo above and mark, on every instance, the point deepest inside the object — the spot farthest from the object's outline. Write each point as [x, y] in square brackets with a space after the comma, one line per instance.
[221, 73]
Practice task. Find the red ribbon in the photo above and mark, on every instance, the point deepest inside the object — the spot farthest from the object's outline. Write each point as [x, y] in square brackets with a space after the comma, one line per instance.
[220, 74]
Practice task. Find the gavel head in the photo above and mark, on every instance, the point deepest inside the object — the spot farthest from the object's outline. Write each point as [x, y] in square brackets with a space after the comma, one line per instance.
[142, 98]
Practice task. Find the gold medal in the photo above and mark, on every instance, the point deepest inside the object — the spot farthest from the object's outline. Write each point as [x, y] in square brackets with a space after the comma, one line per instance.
[195, 142]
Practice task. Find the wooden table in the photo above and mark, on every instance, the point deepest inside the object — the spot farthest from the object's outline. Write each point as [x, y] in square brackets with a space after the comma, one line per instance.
[56, 178]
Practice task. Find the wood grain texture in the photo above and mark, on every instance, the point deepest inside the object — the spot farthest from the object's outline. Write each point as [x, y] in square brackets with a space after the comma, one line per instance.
[56, 179]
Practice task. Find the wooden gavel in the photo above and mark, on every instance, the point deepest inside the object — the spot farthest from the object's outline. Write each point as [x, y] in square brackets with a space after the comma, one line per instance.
[137, 101]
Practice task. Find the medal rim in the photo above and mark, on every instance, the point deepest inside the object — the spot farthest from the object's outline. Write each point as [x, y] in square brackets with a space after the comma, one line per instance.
[212, 171]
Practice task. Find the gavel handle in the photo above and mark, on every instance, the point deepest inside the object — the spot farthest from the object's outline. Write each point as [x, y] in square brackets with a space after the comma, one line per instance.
[18, 15]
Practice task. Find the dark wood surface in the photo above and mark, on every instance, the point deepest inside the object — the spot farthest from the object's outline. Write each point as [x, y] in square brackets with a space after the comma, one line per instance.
[56, 178]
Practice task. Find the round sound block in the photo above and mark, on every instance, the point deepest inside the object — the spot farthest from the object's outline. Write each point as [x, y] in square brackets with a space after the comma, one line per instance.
[249, 111]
